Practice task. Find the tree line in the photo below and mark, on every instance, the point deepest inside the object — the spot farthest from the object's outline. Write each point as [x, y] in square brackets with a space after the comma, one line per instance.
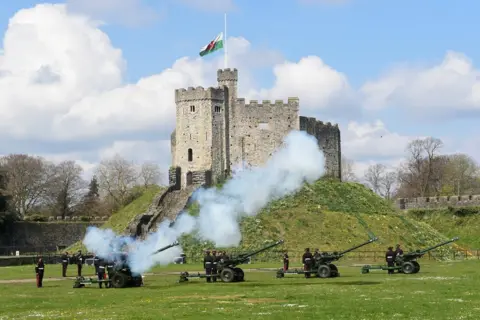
[425, 172]
[37, 186]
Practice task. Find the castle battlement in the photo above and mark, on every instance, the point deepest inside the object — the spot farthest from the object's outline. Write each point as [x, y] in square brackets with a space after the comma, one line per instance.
[227, 75]
[199, 93]
[291, 103]
[316, 125]
[438, 202]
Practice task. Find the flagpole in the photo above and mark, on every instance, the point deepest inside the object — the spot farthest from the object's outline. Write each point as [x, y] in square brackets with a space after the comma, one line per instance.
[225, 33]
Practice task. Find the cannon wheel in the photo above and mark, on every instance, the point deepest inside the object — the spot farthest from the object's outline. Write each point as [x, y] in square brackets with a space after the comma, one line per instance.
[334, 270]
[417, 266]
[323, 271]
[119, 280]
[408, 267]
[239, 275]
[227, 275]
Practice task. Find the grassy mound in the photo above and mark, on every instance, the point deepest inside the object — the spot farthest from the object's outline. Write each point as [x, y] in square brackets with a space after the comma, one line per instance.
[331, 216]
[120, 220]
[462, 222]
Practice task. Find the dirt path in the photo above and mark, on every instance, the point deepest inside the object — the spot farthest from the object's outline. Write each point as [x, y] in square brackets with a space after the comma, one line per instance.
[47, 279]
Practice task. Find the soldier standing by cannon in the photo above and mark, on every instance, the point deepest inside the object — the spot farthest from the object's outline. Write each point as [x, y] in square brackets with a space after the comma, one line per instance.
[285, 261]
[79, 263]
[307, 261]
[390, 259]
[96, 263]
[216, 260]
[207, 265]
[101, 272]
[39, 271]
[64, 264]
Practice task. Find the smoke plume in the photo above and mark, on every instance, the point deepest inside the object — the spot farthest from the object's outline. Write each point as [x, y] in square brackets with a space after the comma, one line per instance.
[299, 160]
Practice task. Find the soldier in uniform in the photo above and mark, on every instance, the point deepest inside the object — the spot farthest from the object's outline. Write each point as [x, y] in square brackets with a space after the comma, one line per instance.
[96, 262]
[216, 259]
[316, 254]
[398, 255]
[39, 271]
[101, 272]
[285, 261]
[79, 263]
[208, 264]
[390, 259]
[64, 264]
[110, 268]
[307, 261]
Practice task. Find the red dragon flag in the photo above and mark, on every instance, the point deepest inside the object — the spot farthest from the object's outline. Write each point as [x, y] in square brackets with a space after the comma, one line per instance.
[214, 45]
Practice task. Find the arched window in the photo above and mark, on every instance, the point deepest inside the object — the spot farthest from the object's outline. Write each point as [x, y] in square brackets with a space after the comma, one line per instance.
[190, 155]
[192, 108]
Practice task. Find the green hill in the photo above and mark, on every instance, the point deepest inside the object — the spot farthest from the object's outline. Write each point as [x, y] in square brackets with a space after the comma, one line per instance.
[330, 216]
[462, 222]
[326, 214]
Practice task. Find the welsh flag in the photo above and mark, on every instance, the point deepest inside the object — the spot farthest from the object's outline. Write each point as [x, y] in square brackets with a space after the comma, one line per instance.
[214, 45]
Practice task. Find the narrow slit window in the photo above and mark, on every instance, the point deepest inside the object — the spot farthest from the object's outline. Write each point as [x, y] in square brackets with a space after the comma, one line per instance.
[190, 155]
[217, 109]
[192, 108]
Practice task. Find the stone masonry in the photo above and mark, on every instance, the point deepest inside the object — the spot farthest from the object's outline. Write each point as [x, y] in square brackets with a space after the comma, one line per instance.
[438, 202]
[217, 132]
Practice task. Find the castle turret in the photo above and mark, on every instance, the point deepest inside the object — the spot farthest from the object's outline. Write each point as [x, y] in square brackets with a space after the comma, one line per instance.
[228, 79]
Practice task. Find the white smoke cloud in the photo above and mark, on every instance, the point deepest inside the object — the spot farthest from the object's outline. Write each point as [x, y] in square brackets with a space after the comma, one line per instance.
[299, 160]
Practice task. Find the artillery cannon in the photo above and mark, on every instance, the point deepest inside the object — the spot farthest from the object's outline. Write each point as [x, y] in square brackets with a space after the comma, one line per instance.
[227, 269]
[407, 263]
[121, 276]
[323, 266]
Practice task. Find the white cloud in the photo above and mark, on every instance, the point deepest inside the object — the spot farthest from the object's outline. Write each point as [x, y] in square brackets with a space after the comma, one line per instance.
[128, 12]
[451, 88]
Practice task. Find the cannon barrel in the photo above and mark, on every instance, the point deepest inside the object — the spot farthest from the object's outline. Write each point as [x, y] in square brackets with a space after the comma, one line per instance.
[247, 255]
[360, 245]
[166, 247]
[438, 245]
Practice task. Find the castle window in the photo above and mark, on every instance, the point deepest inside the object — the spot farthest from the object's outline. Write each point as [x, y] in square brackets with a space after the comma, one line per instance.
[190, 155]
[217, 109]
[192, 108]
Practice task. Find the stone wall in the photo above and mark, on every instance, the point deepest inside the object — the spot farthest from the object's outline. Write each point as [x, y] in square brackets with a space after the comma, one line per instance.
[28, 236]
[329, 140]
[438, 202]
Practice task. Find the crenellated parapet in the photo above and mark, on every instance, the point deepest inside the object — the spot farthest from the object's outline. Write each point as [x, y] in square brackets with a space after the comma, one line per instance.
[438, 202]
[227, 75]
[292, 103]
[199, 93]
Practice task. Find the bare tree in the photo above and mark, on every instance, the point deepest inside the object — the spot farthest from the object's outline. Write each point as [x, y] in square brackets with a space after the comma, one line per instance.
[67, 187]
[374, 175]
[28, 179]
[150, 173]
[116, 177]
[388, 183]
[347, 170]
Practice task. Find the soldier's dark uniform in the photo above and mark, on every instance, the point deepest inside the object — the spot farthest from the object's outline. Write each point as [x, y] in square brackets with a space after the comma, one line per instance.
[64, 264]
[316, 254]
[96, 262]
[79, 263]
[286, 262]
[390, 259]
[39, 271]
[216, 260]
[110, 268]
[208, 265]
[307, 261]
[101, 272]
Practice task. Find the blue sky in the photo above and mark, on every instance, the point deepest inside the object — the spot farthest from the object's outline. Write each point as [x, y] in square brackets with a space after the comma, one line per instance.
[362, 39]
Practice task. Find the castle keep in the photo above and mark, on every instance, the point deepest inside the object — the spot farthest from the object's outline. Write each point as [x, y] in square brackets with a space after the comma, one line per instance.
[216, 131]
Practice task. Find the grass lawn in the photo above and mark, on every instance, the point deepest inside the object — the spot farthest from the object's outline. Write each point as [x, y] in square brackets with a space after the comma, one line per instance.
[440, 291]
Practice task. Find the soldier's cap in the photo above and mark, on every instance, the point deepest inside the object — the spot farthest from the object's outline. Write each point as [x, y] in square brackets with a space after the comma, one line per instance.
[398, 245]
[390, 248]
[307, 249]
